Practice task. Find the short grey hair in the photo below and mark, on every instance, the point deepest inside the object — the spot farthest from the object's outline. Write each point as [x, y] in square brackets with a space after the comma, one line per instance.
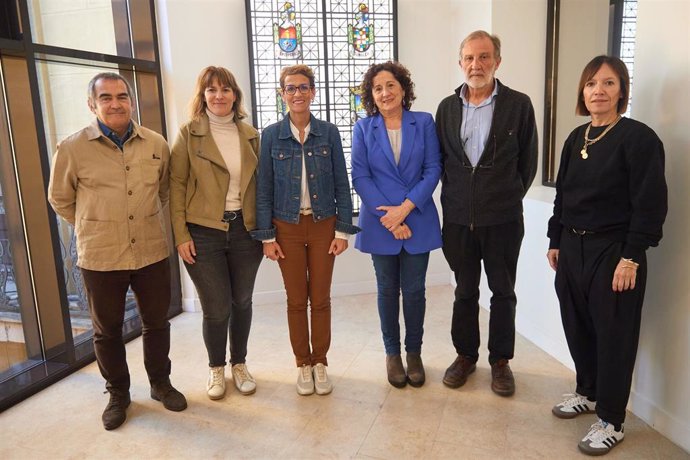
[483, 34]
[107, 76]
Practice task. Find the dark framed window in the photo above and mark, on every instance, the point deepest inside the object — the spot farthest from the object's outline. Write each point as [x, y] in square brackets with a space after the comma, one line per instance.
[48, 52]
[338, 39]
[564, 42]
[623, 31]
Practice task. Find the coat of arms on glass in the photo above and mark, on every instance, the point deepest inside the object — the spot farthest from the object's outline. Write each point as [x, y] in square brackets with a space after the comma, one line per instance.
[339, 39]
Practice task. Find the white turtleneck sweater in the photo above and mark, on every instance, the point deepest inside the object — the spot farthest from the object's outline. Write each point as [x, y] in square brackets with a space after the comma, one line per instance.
[227, 138]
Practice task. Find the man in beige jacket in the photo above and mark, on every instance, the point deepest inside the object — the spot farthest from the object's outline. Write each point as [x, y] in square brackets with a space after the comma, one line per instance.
[110, 180]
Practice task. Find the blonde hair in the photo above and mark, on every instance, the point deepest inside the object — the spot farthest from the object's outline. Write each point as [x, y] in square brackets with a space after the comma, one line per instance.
[225, 78]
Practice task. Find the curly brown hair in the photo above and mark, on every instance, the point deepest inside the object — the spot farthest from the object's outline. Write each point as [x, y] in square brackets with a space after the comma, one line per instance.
[401, 74]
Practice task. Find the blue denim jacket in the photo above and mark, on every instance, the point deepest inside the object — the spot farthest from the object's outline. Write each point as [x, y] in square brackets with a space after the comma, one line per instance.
[279, 179]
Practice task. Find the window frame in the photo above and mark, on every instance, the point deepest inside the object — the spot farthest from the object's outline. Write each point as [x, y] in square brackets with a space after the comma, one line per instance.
[57, 355]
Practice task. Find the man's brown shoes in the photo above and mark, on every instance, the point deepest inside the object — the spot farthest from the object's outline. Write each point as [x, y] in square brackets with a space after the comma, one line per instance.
[502, 380]
[456, 375]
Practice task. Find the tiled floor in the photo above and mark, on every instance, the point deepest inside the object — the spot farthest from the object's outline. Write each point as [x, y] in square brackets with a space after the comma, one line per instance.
[363, 418]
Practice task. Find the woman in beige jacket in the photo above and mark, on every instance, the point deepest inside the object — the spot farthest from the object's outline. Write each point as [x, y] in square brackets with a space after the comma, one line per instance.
[212, 203]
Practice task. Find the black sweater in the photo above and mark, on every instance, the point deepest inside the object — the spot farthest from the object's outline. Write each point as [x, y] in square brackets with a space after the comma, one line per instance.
[491, 192]
[619, 189]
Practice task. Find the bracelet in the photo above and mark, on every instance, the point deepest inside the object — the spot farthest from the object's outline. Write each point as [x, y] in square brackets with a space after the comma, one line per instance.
[629, 263]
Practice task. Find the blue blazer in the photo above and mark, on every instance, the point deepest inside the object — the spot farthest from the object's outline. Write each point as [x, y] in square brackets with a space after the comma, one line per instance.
[379, 181]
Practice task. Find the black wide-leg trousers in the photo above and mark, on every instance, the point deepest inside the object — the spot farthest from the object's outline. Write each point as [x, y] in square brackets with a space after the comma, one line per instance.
[602, 326]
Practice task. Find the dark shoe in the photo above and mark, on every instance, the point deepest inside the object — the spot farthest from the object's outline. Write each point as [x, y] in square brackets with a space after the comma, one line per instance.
[415, 370]
[502, 381]
[115, 412]
[169, 396]
[396, 371]
[456, 375]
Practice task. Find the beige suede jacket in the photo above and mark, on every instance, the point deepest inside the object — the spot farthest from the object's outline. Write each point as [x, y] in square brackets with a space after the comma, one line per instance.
[199, 178]
[113, 198]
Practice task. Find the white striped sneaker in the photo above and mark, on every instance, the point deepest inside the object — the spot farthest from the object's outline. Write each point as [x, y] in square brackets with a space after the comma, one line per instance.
[601, 438]
[573, 405]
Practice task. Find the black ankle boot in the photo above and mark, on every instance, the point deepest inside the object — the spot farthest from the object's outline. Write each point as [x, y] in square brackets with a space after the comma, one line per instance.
[415, 369]
[115, 412]
[396, 371]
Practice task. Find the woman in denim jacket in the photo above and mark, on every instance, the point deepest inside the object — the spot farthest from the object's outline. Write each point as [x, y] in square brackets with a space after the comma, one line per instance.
[304, 217]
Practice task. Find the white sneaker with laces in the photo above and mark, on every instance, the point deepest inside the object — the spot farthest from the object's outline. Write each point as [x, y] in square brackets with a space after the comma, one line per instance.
[573, 405]
[305, 380]
[215, 386]
[601, 438]
[244, 382]
[322, 384]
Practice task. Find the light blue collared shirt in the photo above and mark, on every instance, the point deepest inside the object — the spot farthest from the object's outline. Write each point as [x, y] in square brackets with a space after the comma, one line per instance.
[476, 124]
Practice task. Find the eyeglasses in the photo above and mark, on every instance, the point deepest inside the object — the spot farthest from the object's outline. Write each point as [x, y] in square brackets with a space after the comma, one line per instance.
[291, 89]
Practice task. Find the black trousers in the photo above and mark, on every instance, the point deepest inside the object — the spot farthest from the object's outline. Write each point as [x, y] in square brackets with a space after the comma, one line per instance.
[107, 292]
[499, 247]
[602, 326]
[224, 273]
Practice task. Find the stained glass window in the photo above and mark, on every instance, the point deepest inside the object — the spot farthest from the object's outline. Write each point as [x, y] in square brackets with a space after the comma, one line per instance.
[628, 32]
[338, 39]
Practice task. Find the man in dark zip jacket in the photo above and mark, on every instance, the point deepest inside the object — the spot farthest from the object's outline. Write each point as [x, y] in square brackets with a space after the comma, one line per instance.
[488, 142]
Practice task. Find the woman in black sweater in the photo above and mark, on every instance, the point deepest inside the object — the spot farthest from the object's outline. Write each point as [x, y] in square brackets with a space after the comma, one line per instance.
[610, 207]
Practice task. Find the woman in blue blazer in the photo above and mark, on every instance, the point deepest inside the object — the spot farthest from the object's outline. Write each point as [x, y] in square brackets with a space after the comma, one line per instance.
[396, 165]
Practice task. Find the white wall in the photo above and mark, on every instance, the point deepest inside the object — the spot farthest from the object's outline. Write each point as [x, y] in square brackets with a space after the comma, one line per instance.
[662, 76]
[522, 68]
[660, 99]
[576, 49]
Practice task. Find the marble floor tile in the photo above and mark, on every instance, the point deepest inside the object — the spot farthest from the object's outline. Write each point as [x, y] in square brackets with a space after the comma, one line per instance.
[364, 418]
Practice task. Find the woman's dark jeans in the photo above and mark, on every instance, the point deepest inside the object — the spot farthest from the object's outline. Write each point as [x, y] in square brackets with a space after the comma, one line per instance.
[224, 274]
[407, 273]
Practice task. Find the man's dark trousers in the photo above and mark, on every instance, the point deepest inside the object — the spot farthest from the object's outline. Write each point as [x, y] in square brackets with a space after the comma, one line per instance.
[499, 247]
[107, 292]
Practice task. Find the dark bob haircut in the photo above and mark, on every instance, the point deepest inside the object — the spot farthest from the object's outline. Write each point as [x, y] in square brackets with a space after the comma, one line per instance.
[592, 68]
[401, 74]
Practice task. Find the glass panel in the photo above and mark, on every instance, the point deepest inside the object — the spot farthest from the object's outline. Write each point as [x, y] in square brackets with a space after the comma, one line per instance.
[338, 39]
[628, 32]
[80, 24]
[149, 102]
[359, 33]
[12, 343]
[142, 29]
[9, 20]
[19, 343]
[60, 86]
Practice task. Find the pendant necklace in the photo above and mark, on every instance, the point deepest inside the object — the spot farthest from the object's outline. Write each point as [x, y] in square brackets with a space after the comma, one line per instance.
[589, 141]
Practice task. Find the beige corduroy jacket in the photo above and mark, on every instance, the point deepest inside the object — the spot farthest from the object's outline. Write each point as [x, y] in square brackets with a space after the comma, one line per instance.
[199, 178]
[113, 198]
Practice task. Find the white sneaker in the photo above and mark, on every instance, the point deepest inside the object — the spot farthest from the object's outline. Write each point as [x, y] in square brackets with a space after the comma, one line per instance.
[600, 439]
[322, 384]
[215, 386]
[305, 381]
[244, 382]
[573, 405]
